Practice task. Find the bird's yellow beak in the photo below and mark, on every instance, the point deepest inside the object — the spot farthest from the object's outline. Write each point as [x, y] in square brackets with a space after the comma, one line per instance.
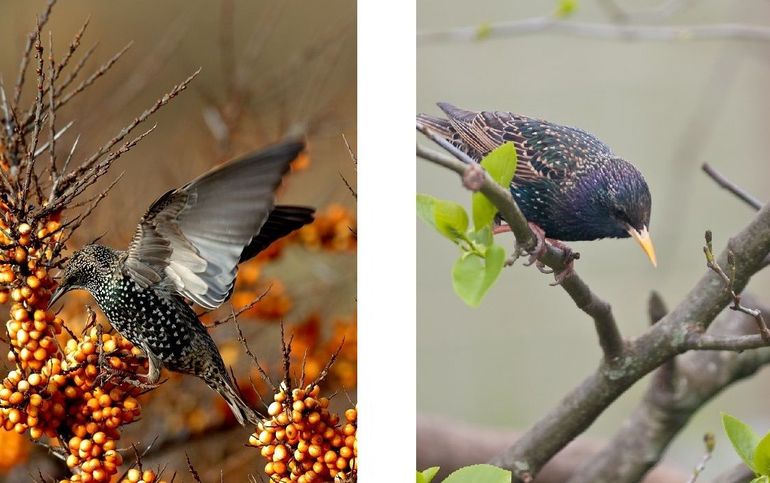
[643, 237]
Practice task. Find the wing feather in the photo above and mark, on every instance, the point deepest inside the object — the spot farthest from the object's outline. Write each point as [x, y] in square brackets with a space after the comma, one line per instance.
[191, 239]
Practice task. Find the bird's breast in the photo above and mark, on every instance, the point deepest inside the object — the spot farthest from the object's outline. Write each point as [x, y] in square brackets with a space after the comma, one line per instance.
[145, 317]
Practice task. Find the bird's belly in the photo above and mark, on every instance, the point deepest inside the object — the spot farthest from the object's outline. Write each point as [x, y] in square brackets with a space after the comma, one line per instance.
[152, 323]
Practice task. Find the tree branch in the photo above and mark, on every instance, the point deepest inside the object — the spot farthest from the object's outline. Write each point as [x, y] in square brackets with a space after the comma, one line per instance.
[554, 24]
[452, 444]
[664, 340]
[731, 187]
[554, 257]
[678, 389]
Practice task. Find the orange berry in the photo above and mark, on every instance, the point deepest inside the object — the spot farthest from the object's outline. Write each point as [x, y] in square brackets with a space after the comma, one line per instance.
[351, 415]
[134, 475]
[33, 282]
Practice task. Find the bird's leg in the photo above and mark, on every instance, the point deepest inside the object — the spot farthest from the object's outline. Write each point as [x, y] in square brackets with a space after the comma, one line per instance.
[154, 362]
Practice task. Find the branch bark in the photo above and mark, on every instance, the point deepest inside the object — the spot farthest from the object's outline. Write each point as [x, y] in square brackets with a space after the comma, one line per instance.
[451, 444]
[679, 389]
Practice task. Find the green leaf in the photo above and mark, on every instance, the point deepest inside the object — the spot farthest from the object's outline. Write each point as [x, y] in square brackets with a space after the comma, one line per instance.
[425, 208]
[479, 474]
[483, 237]
[566, 8]
[743, 438]
[761, 458]
[501, 166]
[447, 217]
[472, 275]
[761, 479]
[450, 218]
[426, 476]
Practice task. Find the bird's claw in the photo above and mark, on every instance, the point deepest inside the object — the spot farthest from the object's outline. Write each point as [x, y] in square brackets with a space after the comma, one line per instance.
[141, 382]
[540, 248]
[537, 251]
[569, 264]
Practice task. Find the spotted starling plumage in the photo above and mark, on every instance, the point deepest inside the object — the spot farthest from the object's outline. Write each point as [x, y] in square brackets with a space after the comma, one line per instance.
[187, 247]
[567, 182]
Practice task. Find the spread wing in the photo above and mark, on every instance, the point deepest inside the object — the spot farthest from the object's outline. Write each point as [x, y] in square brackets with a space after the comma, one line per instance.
[544, 149]
[192, 238]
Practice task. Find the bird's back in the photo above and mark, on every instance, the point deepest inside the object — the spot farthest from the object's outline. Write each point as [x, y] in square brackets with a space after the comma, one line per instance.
[558, 166]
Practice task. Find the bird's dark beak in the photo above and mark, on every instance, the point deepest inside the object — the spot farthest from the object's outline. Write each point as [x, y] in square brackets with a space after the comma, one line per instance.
[60, 290]
[643, 237]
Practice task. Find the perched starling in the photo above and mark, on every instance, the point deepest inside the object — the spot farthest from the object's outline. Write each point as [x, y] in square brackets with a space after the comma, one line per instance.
[187, 247]
[567, 182]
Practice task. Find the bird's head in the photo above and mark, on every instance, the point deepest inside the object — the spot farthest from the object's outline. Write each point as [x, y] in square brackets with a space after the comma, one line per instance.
[622, 199]
[86, 269]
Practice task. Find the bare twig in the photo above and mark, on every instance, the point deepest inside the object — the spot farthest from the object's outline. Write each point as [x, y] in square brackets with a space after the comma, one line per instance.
[731, 187]
[26, 56]
[254, 359]
[709, 441]
[195, 476]
[553, 24]
[234, 314]
[728, 279]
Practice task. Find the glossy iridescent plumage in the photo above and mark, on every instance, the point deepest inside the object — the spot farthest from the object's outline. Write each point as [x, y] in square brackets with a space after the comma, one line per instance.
[567, 181]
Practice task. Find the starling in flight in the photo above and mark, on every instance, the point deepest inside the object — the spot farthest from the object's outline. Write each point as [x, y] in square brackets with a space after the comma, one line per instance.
[187, 247]
[567, 182]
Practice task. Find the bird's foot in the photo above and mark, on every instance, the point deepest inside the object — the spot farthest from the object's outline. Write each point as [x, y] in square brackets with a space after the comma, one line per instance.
[569, 263]
[539, 248]
[139, 381]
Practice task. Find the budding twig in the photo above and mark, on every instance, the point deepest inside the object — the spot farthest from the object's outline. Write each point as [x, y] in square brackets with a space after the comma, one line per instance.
[709, 441]
[728, 279]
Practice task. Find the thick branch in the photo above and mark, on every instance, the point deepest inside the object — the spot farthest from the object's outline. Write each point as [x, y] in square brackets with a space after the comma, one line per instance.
[554, 257]
[578, 410]
[674, 395]
[452, 444]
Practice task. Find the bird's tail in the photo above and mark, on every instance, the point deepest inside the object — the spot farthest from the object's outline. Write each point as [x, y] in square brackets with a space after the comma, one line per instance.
[241, 410]
[441, 127]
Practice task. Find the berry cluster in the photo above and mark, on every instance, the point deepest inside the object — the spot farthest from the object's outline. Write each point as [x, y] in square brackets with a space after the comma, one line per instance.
[101, 397]
[303, 442]
[138, 476]
[74, 390]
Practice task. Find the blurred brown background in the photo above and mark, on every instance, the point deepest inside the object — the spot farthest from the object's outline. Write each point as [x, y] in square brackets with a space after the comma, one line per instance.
[665, 106]
[268, 69]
